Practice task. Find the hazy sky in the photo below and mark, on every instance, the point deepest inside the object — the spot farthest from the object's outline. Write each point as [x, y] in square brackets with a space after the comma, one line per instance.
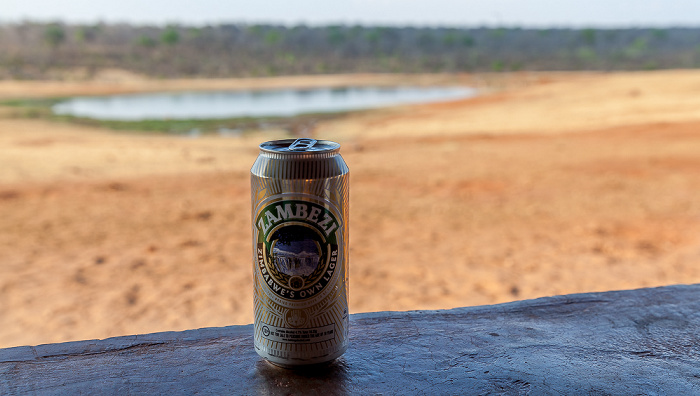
[599, 13]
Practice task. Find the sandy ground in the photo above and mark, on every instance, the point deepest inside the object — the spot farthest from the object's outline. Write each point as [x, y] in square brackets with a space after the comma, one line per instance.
[546, 184]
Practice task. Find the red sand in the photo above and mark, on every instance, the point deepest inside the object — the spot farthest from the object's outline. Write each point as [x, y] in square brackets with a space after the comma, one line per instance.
[552, 184]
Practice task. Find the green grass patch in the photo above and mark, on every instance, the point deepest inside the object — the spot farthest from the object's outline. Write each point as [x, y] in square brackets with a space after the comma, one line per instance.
[31, 102]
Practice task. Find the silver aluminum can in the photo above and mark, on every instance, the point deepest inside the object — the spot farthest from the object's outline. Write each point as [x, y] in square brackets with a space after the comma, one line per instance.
[300, 244]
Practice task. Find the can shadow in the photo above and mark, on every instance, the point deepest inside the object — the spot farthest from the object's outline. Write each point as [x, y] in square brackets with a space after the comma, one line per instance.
[322, 379]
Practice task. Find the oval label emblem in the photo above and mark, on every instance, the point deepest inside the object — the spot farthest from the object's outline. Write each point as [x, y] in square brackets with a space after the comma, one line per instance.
[297, 247]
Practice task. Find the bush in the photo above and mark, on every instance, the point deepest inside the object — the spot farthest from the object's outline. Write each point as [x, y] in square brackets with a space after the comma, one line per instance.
[54, 34]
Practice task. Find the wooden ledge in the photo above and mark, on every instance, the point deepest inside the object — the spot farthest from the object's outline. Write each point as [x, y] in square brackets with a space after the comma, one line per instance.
[643, 341]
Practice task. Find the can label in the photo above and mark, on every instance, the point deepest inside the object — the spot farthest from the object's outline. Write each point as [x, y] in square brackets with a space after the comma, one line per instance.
[300, 293]
[297, 249]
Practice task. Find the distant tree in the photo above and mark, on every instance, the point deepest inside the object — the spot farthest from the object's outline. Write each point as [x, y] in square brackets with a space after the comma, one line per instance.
[194, 32]
[336, 35]
[660, 34]
[82, 34]
[256, 30]
[426, 39]
[498, 33]
[373, 35]
[54, 34]
[468, 41]
[273, 37]
[611, 34]
[586, 53]
[170, 36]
[145, 41]
[588, 36]
[497, 66]
[637, 48]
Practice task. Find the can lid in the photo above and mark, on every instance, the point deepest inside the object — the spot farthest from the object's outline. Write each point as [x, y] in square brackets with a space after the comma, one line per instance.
[304, 145]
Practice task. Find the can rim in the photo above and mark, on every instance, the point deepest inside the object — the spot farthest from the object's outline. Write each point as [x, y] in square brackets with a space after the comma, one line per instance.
[285, 146]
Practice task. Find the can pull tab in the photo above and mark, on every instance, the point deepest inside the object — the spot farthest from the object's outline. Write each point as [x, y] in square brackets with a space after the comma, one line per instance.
[302, 144]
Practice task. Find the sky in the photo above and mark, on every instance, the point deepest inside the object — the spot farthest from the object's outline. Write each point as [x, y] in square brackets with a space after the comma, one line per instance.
[454, 13]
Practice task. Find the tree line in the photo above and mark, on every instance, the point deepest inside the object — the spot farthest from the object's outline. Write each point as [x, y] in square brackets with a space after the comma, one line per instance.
[31, 50]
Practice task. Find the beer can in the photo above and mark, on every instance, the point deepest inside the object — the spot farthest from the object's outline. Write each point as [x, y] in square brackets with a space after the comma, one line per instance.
[300, 243]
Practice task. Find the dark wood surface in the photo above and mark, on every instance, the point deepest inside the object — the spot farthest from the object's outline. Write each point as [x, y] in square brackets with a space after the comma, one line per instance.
[622, 343]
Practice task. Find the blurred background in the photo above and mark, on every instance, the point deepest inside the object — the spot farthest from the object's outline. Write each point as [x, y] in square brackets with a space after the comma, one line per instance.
[499, 150]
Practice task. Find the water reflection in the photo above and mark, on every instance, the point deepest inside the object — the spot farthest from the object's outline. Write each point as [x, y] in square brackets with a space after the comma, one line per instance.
[231, 104]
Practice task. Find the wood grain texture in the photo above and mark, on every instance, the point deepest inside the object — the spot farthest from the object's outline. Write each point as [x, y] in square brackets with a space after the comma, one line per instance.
[624, 342]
